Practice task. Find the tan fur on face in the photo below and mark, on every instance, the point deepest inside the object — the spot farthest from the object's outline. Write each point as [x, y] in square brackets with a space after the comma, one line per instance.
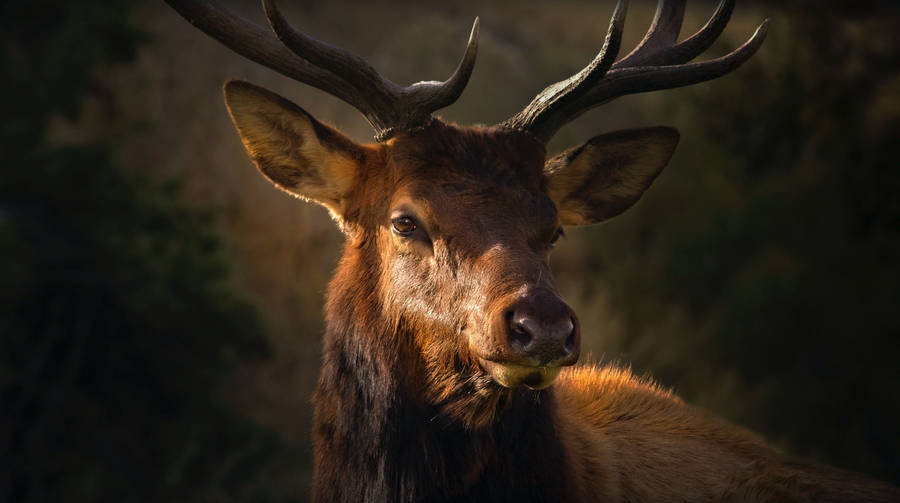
[608, 174]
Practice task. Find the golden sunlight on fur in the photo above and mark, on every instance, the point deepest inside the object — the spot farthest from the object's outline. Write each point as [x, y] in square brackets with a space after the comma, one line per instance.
[631, 440]
[285, 144]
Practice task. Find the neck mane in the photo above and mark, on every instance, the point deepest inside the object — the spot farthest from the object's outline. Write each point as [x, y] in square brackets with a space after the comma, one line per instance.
[375, 441]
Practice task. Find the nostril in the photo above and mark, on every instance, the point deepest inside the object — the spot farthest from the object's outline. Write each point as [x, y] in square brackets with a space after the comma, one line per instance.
[519, 335]
[570, 342]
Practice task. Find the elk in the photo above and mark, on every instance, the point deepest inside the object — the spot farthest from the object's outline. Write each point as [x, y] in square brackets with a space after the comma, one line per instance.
[447, 361]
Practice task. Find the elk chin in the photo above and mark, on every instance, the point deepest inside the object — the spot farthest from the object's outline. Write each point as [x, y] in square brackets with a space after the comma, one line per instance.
[474, 402]
[512, 375]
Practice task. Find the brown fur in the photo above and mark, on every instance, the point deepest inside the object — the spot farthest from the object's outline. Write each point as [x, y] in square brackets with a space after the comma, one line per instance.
[409, 405]
[630, 440]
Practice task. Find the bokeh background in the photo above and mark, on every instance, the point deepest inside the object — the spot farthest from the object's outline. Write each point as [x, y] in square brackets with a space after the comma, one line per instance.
[160, 302]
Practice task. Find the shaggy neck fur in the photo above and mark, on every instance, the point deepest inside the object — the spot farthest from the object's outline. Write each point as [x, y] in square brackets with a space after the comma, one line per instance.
[376, 442]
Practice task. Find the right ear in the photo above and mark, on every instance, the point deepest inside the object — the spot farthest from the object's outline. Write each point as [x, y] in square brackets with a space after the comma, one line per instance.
[608, 174]
[297, 153]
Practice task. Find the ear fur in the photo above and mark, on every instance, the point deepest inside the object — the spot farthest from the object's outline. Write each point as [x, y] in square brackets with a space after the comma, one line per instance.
[608, 174]
[292, 149]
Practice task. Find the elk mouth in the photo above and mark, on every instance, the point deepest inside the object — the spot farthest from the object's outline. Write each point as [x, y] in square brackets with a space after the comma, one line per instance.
[510, 375]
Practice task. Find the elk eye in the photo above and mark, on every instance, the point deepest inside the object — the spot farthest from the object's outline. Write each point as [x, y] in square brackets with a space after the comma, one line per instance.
[404, 225]
[558, 234]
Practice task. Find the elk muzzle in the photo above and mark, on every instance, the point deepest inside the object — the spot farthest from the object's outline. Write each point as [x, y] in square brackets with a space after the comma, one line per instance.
[530, 339]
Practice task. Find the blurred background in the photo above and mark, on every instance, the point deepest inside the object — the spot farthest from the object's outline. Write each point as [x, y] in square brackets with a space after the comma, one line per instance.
[160, 302]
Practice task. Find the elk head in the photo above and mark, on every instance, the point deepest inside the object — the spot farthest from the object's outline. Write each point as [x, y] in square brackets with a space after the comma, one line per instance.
[449, 228]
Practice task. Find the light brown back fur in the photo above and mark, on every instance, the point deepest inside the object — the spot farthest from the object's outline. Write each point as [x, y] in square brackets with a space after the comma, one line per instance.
[630, 440]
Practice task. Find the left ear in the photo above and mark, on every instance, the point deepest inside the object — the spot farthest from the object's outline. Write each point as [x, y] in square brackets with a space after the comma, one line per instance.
[608, 174]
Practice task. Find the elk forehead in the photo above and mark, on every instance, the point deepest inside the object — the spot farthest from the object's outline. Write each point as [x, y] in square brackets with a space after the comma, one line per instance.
[479, 187]
[498, 153]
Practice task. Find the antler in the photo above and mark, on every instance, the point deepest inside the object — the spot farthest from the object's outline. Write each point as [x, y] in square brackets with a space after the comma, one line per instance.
[656, 63]
[386, 105]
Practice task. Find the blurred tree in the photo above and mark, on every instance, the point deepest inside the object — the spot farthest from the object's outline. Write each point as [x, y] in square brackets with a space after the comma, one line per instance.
[761, 278]
[118, 329]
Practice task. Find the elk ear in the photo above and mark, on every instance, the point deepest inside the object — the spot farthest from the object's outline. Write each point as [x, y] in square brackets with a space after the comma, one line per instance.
[297, 153]
[608, 174]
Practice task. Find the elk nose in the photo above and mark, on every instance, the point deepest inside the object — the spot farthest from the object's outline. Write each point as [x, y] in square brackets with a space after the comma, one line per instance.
[542, 332]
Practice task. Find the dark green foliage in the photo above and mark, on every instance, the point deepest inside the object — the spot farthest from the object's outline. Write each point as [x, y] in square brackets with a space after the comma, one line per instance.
[761, 277]
[118, 330]
[49, 52]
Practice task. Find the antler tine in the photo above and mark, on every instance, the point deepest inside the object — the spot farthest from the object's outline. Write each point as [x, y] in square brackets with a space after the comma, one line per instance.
[663, 32]
[431, 95]
[557, 96]
[442, 94]
[395, 107]
[386, 105]
[620, 82]
[699, 42]
[343, 63]
[657, 63]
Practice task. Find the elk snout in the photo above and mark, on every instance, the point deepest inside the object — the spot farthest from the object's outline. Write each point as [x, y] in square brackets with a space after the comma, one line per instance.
[530, 339]
[541, 330]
